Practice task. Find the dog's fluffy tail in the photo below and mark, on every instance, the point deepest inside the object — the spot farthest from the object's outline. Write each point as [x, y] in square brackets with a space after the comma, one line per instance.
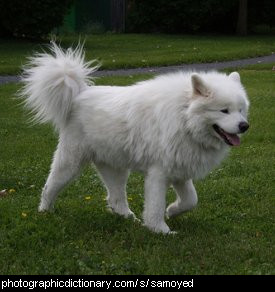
[53, 80]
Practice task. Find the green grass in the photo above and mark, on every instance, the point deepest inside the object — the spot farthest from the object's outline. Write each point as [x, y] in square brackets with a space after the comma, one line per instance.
[139, 50]
[230, 232]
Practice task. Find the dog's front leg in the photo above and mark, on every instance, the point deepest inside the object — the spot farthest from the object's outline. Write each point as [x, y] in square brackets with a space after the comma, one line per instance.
[154, 207]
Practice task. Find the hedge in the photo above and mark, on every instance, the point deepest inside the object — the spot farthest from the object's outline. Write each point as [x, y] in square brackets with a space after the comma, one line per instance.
[32, 19]
[192, 16]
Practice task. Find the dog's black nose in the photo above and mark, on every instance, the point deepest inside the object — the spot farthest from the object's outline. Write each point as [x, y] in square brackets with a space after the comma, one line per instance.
[243, 126]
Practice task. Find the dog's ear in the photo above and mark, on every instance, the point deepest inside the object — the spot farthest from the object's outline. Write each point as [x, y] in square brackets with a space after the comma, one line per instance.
[235, 76]
[199, 86]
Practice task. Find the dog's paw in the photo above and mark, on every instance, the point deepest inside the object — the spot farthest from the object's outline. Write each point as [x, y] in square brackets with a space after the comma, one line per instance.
[173, 210]
[41, 209]
[132, 216]
[44, 207]
[124, 213]
[159, 228]
[172, 233]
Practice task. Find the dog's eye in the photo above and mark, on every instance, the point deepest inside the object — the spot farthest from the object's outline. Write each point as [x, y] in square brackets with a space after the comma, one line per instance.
[225, 111]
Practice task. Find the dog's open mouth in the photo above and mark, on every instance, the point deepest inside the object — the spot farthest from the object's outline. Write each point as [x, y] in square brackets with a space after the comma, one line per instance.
[230, 139]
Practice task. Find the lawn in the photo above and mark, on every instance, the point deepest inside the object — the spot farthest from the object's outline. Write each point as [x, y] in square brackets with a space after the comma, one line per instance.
[139, 50]
[230, 232]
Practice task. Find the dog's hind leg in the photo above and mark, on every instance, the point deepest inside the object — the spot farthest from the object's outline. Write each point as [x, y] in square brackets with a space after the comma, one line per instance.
[186, 198]
[65, 166]
[115, 182]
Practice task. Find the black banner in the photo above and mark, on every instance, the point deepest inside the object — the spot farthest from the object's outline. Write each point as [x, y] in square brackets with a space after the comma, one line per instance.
[140, 282]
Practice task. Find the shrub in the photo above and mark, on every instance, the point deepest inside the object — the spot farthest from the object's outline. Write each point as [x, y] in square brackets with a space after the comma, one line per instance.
[191, 16]
[32, 19]
[179, 16]
[261, 13]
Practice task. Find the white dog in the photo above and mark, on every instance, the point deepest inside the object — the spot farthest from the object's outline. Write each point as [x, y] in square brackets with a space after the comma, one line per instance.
[174, 128]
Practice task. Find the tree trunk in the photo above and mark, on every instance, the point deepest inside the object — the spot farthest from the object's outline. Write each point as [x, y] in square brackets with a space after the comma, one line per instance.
[118, 8]
[242, 18]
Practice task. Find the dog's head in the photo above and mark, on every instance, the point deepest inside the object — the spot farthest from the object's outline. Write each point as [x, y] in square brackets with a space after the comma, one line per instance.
[218, 109]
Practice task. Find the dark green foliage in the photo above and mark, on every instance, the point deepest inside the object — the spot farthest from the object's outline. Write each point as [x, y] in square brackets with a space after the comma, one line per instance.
[192, 16]
[261, 13]
[32, 19]
[182, 15]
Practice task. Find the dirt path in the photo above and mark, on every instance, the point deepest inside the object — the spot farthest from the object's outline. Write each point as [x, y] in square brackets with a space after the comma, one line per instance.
[167, 69]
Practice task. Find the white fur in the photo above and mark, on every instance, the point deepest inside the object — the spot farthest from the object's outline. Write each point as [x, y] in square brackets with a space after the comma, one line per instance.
[162, 127]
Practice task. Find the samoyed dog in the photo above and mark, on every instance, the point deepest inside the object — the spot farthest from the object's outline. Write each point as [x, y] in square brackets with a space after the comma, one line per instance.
[173, 128]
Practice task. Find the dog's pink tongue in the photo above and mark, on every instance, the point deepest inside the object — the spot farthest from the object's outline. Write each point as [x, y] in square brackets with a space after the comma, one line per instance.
[234, 139]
